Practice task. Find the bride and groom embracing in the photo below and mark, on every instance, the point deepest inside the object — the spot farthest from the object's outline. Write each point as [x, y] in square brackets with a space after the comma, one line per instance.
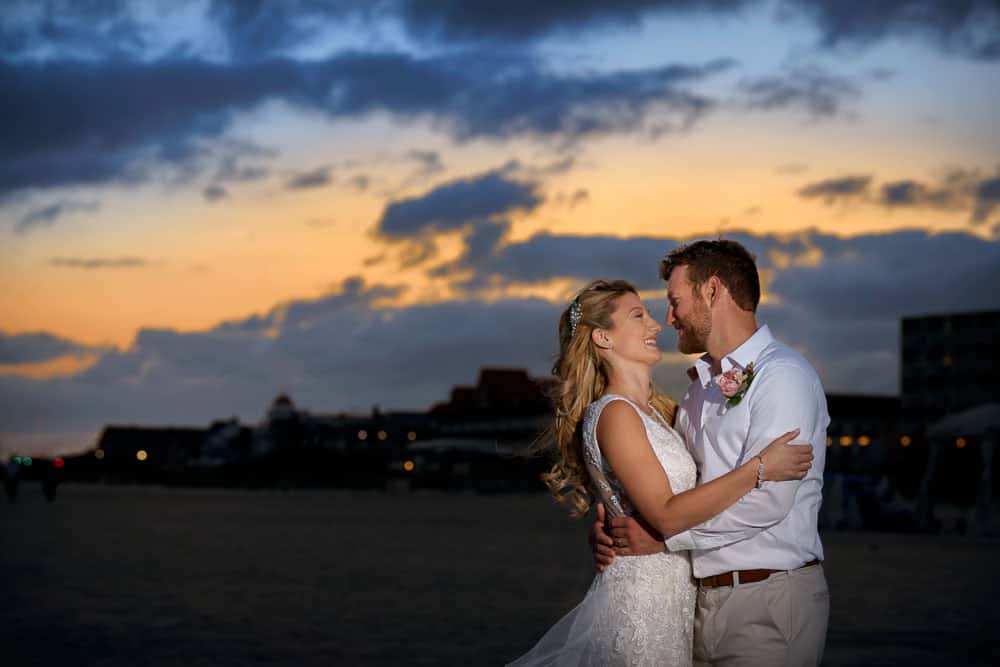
[706, 540]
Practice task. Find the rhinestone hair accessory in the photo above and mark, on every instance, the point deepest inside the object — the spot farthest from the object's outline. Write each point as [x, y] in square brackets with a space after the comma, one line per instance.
[575, 313]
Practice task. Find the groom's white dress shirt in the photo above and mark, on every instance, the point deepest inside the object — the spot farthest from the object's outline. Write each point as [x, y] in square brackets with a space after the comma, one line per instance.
[773, 527]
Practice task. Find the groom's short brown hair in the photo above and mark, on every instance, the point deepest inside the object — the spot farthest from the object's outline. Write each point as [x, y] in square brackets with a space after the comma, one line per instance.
[728, 260]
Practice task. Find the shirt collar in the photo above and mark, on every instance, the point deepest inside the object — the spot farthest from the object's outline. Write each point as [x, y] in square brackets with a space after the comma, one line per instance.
[741, 357]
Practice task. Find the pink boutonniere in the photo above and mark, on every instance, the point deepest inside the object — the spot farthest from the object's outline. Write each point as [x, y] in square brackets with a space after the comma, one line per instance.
[734, 383]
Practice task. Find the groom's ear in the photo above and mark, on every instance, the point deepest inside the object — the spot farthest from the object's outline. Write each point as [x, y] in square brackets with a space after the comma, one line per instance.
[718, 290]
[711, 290]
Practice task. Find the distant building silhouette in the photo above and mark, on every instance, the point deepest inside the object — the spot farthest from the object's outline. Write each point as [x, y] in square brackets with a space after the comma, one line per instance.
[499, 392]
[949, 363]
[948, 373]
[863, 432]
[141, 453]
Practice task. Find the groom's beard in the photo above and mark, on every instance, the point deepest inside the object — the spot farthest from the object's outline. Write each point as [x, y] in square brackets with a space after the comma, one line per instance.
[692, 334]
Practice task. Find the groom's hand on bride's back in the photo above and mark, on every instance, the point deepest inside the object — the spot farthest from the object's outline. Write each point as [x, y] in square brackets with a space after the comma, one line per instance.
[601, 544]
[625, 536]
[633, 536]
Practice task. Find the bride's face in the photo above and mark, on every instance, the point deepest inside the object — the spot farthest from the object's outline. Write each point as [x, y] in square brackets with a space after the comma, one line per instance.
[633, 336]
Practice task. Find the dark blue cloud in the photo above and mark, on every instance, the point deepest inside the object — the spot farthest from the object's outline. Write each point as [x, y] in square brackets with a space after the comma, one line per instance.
[505, 21]
[253, 31]
[478, 207]
[969, 28]
[71, 123]
[31, 348]
[92, 29]
[459, 203]
[546, 256]
[258, 30]
[987, 199]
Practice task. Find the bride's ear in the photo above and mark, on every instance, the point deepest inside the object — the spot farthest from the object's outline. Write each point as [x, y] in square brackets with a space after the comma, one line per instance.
[601, 339]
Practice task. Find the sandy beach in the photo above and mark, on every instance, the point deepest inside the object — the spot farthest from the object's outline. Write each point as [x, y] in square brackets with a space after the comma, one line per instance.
[154, 576]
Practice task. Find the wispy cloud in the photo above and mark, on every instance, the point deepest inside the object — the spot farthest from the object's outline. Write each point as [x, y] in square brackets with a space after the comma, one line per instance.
[832, 190]
[314, 178]
[960, 189]
[92, 263]
[49, 215]
[214, 193]
[816, 91]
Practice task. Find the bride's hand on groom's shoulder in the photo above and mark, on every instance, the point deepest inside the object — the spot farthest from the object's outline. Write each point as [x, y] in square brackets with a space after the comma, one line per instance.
[784, 460]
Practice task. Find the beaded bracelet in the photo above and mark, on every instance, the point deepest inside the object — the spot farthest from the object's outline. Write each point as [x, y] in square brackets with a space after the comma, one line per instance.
[760, 471]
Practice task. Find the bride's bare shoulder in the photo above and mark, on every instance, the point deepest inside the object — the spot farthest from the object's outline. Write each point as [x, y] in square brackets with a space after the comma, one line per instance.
[617, 418]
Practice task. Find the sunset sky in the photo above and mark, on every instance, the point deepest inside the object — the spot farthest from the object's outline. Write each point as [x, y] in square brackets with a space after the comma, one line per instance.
[203, 204]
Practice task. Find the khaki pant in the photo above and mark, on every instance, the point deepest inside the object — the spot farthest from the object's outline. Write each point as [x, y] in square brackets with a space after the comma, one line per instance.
[779, 621]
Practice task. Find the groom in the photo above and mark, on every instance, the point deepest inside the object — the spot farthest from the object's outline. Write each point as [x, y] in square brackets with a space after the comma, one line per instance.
[762, 595]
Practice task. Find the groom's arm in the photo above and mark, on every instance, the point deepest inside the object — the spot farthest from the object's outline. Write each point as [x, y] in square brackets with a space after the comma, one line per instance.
[785, 397]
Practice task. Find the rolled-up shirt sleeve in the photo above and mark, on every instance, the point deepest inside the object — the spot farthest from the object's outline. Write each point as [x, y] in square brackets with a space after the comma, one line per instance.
[783, 398]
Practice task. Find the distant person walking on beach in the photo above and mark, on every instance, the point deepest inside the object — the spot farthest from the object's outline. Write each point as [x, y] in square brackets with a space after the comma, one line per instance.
[616, 445]
[762, 597]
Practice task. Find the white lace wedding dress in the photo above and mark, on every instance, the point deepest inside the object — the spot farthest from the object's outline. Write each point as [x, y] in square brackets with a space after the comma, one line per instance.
[640, 610]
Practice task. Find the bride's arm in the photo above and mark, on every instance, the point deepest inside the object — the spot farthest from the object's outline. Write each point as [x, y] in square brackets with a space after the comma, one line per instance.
[623, 441]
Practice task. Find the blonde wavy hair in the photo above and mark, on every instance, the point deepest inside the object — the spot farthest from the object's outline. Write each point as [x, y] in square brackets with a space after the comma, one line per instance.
[582, 378]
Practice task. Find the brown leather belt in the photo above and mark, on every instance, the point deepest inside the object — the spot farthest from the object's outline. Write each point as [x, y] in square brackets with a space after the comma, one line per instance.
[745, 576]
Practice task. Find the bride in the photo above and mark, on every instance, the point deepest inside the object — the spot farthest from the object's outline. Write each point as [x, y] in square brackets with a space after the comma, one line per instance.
[616, 446]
